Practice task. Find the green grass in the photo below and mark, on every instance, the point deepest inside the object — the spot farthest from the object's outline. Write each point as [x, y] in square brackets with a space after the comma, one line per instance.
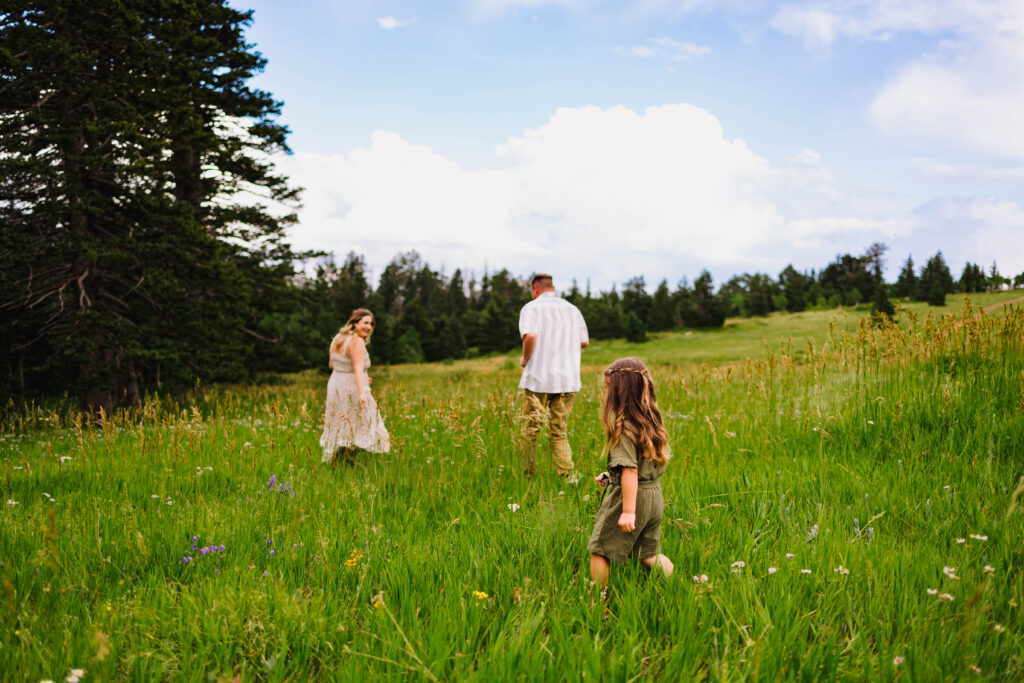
[873, 449]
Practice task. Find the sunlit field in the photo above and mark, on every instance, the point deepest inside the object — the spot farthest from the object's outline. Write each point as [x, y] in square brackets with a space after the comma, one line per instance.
[846, 501]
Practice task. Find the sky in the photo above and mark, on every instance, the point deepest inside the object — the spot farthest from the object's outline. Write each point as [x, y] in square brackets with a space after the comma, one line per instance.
[599, 140]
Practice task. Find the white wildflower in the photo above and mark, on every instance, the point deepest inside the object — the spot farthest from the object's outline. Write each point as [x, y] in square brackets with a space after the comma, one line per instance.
[979, 537]
[513, 506]
[65, 458]
[951, 573]
[11, 502]
[739, 564]
[790, 556]
[703, 578]
[998, 628]
[841, 570]
[961, 541]
[989, 569]
[896, 661]
[932, 591]
[805, 571]
[945, 596]
[772, 570]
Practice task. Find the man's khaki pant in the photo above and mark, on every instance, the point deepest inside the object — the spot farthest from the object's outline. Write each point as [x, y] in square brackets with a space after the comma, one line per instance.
[557, 407]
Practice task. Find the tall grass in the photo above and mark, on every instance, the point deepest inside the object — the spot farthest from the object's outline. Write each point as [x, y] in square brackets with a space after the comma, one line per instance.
[893, 453]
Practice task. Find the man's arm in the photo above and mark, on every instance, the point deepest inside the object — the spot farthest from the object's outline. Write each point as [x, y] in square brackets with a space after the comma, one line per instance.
[529, 344]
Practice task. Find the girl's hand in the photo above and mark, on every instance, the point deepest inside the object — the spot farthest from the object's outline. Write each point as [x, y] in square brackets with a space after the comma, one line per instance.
[362, 401]
[603, 479]
[627, 522]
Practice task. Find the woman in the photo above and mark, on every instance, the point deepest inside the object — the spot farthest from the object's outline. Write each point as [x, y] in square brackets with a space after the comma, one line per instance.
[351, 419]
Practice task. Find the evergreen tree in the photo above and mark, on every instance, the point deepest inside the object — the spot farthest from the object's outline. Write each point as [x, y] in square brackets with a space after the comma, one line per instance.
[707, 310]
[935, 281]
[794, 286]
[635, 299]
[663, 308]
[907, 286]
[634, 328]
[972, 279]
[127, 130]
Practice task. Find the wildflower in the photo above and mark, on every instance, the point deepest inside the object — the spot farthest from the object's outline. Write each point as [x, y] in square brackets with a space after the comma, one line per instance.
[703, 578]
[961, 541]
[266, 573]
[988, 569]
[841, 570]
[155, 495]
[561, 493]
[772, 570]
[271, 553]
[65, 458]
[790, 556]
[813, 533]
[979, 537]
[739, 564]
[931, 591]
[513, 506]
[896, 661]
[170, 502]
[871, 422]
[947, 487]
[805, 571]
[946, 596]
[975, 669]
[11, 502]
[998, 628]
[270, 542]
[951, 573]
[378, 603]
[480, 595]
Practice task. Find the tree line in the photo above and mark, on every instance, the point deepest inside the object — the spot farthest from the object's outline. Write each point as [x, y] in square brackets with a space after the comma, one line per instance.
[424, 315]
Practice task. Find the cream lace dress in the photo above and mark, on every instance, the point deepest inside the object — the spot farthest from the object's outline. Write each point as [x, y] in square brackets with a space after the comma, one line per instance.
[345, 425]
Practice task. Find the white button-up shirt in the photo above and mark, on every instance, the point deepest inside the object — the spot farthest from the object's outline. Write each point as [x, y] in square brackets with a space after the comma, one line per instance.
[554, 366]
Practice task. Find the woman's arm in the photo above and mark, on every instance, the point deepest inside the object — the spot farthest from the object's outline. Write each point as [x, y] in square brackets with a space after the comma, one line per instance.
[628, 480]
[356, 350]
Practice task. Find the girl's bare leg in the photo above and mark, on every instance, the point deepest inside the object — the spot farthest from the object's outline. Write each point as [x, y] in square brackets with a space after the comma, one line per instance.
[659, 561]
[599, 568]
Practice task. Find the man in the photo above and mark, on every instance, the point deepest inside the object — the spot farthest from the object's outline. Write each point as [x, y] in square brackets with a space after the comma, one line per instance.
[554, 335]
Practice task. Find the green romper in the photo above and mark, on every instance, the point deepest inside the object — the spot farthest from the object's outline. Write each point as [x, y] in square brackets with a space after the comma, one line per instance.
[644, 541]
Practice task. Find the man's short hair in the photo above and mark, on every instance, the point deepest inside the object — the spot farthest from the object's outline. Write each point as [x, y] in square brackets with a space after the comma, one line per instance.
[542, 280]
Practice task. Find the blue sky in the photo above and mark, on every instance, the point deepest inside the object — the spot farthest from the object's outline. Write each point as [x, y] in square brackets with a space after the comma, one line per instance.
[601, 140]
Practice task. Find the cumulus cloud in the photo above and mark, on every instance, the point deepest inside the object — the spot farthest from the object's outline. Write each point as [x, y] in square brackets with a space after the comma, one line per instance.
[390, 23]
[599, 193]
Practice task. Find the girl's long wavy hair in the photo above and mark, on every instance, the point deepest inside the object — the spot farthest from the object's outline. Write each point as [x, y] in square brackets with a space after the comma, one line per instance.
[629, 398]
[349, 328]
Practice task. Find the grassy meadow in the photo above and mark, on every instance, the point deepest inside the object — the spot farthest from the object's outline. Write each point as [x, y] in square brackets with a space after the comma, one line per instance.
[845, 502]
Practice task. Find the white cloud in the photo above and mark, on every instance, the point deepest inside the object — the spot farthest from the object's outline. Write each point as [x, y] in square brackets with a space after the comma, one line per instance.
[975, 229]
[965, 96]
[946, 171]
[666, 48]
[608, 194]
[390, 23]
[964, 100]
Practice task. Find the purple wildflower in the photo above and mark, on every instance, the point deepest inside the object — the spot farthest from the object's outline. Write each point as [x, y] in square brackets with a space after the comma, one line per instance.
[271, 553]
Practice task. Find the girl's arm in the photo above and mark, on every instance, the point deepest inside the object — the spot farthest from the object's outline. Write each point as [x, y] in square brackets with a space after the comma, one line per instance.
[628, 480]
[355, 351]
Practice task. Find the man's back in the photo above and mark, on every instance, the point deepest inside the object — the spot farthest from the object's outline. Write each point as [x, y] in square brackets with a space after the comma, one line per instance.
[554, 366]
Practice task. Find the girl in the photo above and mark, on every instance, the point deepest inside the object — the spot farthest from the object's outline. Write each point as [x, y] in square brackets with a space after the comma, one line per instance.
[351, 418]
[629, 519]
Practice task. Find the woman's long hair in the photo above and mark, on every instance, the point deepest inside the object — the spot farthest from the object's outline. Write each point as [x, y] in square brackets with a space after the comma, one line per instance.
[629, 398]
[349, 328]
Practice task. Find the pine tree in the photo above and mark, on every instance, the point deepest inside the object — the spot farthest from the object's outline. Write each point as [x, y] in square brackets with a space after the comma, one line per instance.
[128, 131]
[906, 284]
[634, 328]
